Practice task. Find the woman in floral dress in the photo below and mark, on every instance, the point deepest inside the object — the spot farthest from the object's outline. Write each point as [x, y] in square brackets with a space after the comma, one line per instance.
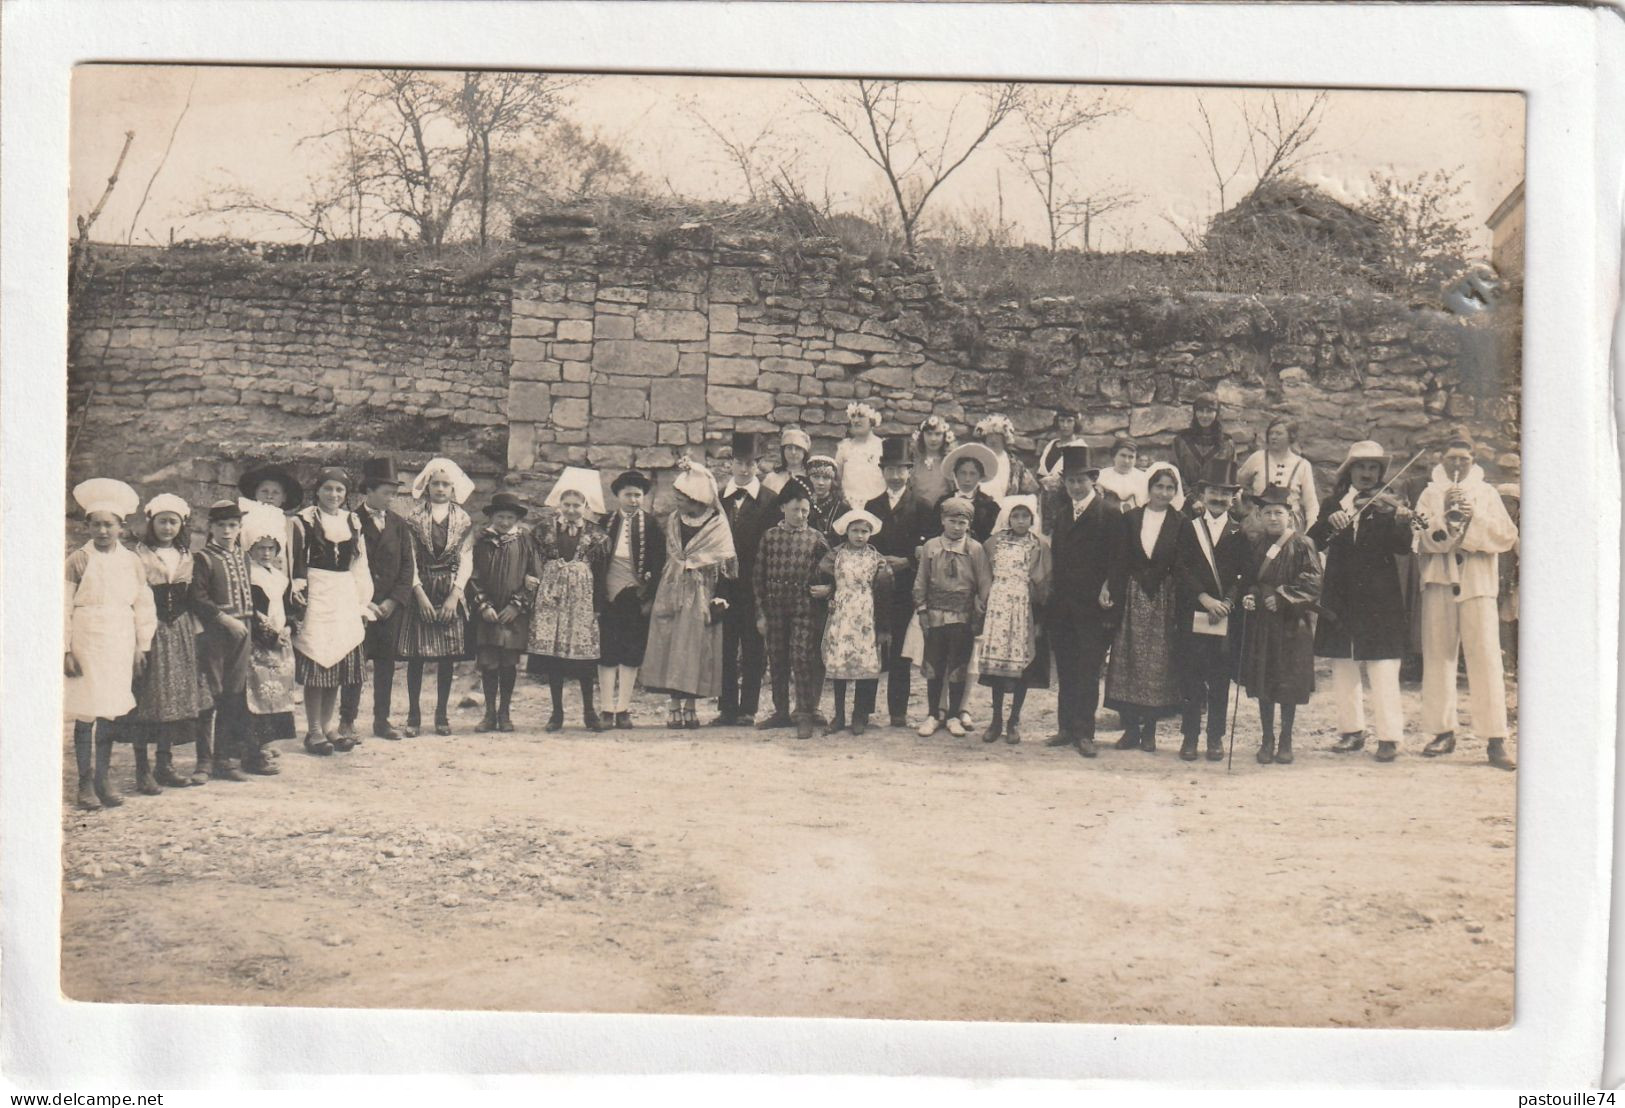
[854, 646]
[1142, 683]
[434, 627]
[569, 555]
[1013, 658]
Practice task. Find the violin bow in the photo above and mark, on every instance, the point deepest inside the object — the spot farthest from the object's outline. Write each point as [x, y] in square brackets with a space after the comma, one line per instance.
[1388, 484]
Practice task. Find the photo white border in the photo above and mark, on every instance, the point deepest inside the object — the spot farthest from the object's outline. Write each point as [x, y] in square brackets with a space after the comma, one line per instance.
[1566, 59]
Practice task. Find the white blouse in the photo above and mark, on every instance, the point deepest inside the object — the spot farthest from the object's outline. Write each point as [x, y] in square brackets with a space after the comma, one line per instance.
[1151, 523]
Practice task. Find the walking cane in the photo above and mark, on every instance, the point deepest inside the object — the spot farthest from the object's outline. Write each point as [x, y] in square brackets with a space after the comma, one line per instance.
[1235, 703]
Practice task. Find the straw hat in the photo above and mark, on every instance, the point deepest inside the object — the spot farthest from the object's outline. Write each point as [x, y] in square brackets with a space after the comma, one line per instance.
[982, 455]
[1365, 451]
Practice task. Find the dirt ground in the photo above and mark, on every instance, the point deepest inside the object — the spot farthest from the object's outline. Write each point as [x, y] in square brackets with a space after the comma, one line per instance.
[730, 871]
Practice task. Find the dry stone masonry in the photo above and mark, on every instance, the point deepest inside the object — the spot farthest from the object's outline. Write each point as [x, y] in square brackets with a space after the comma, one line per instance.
[614, 347]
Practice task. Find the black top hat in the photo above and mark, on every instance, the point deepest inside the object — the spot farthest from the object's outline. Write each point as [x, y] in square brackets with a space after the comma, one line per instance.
[746, 444]
[894, 451]
[1075, 459]
[292, 494]
[378, 471]
[793, 489]
[633, 478]
[506, 502]
[223, 510]
[1218, 473]
[1273, 496]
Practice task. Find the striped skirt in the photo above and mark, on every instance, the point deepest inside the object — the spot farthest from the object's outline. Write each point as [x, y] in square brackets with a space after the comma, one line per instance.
[349, 670]
[419, 639]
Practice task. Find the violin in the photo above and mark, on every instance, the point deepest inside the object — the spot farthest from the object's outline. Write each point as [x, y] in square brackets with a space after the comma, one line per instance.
[1379, 502]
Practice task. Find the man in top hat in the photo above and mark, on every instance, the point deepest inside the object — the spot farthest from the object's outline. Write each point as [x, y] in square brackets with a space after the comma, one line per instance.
[1086, 550]
[906, 521]
[1363, 620]
[1212, 560]
[1465, 530]
[390, 559]
[750, 513]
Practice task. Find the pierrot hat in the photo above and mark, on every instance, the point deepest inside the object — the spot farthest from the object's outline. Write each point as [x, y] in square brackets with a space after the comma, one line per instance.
[263, 521]
[169, 502]
[104, 494]
[462, 485]
[857, 515]
[586, 482]
[1008, 504]
[980, 454]
[1366, 451]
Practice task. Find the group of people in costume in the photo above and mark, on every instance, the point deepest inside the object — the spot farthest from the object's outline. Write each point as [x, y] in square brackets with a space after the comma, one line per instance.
[1148, 589]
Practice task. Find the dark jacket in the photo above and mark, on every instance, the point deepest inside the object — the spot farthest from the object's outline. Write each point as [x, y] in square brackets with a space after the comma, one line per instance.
[389, 558]
[1194, 576]
[984, 518]
[1153, 571]
[749, 517]
[1085, 554]
[213, 573]
[1362, 606]
[902, 530]
[647, 547]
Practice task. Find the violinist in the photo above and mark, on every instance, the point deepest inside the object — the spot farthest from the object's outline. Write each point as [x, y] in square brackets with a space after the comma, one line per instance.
[1363, 621]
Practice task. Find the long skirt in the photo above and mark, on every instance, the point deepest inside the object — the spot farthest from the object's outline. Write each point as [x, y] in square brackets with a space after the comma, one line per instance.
[427, 640]
[684, 655]
[170, 690]
[623, 630]
[564, 627]
[1141, 674]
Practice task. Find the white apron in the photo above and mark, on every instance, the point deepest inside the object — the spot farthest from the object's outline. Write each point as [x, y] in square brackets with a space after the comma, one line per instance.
[103, 635]
[332, 626]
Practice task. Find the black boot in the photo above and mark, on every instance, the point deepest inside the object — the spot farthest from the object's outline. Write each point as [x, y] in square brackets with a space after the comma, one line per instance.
[1187, 749]
[1215, 748]
[489, 684]
[104, 757]
[589, 715]
[145, 783]
[1283, 749]
[1148, 736]
[166, 775]
[505, 683]
[203, 768]
[1441, 744]
[1349, 743]
[84, 759]
[1496, 749]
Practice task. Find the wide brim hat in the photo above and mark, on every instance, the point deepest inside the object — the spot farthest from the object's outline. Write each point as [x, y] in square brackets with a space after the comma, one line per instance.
[462, 485]
[1273, 496]
[856, 515]
[579, 480]
[894, 451]
[633, 478]
[1075, 459]
[1217, 473]
[1008, 504]
[292, 494]
[506, 502]
[795, 436]
[378, 471]
[1365, 451]
[106, 494]
[983, 456]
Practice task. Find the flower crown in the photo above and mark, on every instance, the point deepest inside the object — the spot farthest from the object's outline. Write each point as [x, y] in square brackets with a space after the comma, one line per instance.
[995, 425]
[858, 407]
[937, 423]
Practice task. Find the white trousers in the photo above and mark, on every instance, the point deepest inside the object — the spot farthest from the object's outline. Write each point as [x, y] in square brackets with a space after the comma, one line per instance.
[615, 685]
[1449, 628]
[1387, 717]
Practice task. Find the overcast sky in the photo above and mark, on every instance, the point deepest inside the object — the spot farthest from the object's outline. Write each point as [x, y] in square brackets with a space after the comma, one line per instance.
[244, 123]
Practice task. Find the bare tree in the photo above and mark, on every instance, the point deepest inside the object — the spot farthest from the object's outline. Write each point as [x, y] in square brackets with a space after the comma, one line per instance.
[496, 106]
[883, 122]
[761, 158]
[1049, 119]
[311, 214]
[1278, 136]
[1217, 159]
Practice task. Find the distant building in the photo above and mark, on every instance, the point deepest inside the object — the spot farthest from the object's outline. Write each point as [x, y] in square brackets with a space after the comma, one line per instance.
[1506, 234]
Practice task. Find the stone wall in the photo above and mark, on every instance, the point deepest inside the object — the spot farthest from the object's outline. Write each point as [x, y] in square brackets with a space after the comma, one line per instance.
[613, 347]
[629, 348]
[170, 359]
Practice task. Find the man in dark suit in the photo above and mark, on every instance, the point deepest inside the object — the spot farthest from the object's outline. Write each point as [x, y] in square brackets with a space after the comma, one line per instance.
[906, 522]
[389, 557]
[749, 509]
[1086, 550]
[1211, 564]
